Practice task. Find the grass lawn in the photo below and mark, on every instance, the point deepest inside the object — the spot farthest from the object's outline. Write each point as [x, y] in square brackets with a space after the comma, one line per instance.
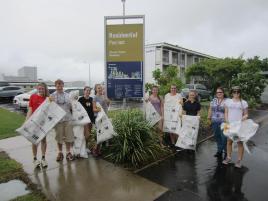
[10, 169]
[10, 121]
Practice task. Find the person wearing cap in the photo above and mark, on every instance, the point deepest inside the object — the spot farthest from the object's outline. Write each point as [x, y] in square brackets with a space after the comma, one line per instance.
[64, 129]
[236, 109]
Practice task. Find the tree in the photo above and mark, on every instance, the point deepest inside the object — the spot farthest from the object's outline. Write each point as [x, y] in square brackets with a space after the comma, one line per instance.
[164, 79]
[229, 72]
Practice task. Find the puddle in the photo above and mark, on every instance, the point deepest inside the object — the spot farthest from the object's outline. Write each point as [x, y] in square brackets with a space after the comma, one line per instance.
[12, 189]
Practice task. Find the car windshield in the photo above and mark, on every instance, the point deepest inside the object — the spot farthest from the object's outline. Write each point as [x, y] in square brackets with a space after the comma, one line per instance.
[34, 91]
[190, 86]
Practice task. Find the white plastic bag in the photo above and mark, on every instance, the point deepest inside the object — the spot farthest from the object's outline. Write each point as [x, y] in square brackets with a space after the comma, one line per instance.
[47, 115]
[152, 116]
[105, 130]
[79, 114]
[240, 131]
[172, 121]
[189, 132]
[79, 147]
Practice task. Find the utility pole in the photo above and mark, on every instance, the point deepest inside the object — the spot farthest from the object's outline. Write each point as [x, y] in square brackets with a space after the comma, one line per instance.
[89, 76]
[124, 10]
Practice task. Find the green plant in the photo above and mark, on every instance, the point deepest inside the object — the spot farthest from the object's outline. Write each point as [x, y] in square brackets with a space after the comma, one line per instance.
[136, 143]
[10, 121]
[164, 79]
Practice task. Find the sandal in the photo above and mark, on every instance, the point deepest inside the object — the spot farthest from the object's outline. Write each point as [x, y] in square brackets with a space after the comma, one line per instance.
[227, 161]
[238, 164]
[69, 157]
[59, 157]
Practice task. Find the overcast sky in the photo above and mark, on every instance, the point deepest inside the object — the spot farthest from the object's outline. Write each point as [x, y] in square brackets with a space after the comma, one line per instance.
[62, 36]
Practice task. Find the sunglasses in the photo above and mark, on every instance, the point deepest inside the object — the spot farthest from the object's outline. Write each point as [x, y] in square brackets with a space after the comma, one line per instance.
[219, 92]
[236, 92]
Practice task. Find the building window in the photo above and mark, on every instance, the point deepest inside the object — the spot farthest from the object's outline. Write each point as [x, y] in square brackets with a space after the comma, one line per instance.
[175, 58]
[196, 60]
[165, 56]
[182, 59]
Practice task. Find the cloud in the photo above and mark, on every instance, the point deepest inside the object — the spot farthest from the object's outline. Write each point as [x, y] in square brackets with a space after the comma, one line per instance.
[62, 36]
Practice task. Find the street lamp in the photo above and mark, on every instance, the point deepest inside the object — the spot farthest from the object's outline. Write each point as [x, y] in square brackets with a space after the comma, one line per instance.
[124, 9]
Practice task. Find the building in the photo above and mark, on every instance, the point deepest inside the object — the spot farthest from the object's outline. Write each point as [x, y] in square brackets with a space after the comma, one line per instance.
[28, 71]
[162, 55]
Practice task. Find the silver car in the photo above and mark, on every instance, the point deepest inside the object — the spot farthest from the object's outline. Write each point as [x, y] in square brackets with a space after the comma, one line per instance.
[9, 92]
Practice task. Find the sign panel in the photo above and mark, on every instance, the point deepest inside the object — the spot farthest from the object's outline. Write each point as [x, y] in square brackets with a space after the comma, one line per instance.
[124, 60]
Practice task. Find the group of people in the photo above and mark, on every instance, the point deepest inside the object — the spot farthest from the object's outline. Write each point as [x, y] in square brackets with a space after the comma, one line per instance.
[189, 105]
[64, 128]
[221, 110]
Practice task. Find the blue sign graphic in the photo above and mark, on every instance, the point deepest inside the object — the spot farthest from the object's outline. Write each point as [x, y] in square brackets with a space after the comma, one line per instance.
[124, 79]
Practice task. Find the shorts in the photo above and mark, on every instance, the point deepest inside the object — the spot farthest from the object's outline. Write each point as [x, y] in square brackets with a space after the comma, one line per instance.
[64, 132]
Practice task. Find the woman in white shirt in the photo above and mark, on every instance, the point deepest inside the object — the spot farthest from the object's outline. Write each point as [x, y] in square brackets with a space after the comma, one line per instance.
[236, 109]
[170, 97]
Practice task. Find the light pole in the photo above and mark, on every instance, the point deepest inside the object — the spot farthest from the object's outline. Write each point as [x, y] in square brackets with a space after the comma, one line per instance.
[89, 76]
[124, 9]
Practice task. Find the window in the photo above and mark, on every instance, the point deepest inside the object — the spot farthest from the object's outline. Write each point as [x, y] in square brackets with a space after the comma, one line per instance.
[189, 86]
[11, 88]
[201, 87]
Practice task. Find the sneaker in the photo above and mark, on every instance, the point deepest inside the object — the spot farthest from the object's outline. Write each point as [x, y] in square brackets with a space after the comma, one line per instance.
[59, 157]
[238, 164]
[218, 154]
[227, 161]
[69, 157]
[36, 163]
[88, 151]
[44, 163]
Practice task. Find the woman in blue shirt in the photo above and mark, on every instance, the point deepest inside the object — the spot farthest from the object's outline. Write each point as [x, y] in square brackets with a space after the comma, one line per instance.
[216, 116]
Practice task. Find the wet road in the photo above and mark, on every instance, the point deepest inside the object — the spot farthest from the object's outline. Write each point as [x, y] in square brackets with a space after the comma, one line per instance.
[195, 177]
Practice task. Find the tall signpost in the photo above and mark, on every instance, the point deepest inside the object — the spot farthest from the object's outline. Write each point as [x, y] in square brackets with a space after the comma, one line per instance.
[124, 56]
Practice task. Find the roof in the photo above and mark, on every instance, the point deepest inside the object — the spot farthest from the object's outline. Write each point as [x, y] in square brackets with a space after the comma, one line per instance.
[179, 48]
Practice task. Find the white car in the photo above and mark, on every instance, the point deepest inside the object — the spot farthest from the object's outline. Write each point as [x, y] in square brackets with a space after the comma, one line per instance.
[22, 101]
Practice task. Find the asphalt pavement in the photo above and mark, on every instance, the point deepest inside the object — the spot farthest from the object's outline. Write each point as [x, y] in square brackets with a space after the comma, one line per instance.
[201, 177]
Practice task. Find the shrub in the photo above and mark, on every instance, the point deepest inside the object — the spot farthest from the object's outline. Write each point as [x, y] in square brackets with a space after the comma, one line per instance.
[136, 143]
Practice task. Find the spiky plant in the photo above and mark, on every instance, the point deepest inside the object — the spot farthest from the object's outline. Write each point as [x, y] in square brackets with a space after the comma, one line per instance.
[136, 143]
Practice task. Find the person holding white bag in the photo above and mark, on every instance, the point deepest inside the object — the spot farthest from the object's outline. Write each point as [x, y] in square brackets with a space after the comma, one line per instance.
[87, 102]
[236, 109]
[104, 102]
[176, 98]
[157, 103]
[35, 101]
[64, 129]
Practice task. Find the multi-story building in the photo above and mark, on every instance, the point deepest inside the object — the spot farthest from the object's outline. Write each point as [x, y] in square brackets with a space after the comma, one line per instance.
[28, 71]
[162, 55]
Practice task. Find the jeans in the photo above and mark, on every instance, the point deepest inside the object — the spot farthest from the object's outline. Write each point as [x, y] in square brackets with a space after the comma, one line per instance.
[219, 136]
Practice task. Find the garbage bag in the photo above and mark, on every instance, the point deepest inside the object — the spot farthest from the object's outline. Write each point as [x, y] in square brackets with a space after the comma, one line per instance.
[79, 114]
[47, 115]
[79, 146]
[105, 130]
[152, 116]
[189, 132]
[172, 120]
[240, 131]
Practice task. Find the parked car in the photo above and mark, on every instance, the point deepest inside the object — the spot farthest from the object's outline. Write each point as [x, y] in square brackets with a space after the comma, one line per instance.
[22, 101]
[203, 92]
[9, 92]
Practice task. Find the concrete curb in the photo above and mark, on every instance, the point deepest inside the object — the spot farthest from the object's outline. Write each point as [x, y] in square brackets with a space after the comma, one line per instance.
[169, 156]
